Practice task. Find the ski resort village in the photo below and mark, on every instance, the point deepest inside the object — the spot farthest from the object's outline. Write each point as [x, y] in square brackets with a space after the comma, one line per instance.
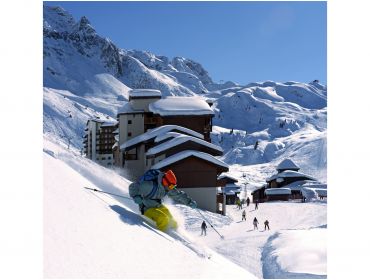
[247, 195]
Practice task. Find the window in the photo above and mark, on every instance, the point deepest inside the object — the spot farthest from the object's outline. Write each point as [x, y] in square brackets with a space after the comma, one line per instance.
[129, 122]
[129, 134]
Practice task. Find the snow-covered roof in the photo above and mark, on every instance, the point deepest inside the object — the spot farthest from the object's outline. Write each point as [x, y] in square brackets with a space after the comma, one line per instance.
[180, 106]
[189, 153]
[137, 93]
[277, 191]
[109, 123]
[95, 120]
[287, 164]
[180, 140]
[322, 192]
[128, 109]
[167, 135]
[156, 132]
[116, 137]
[115, 145]
[227, 175]
[289, 173]
[116, 131]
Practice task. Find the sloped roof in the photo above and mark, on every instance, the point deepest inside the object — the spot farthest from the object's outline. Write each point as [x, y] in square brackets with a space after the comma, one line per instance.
[189, 153]
[180, 106]
[226, 175]
[291, 174]
[109, 123]
[180, 139]
[156, 132]
[167, 135]
[287, 164]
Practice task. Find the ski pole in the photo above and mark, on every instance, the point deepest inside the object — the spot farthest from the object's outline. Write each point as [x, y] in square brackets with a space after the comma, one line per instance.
[222, 237]
[95, 190]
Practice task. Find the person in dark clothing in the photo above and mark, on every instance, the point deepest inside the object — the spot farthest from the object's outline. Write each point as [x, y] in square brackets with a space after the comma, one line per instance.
[248, 201]
[255, 223]
[256, 205]
[243, 216]
[204, 228]
[267, 225]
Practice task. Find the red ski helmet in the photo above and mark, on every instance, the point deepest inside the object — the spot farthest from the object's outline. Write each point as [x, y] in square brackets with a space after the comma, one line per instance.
[169, 179]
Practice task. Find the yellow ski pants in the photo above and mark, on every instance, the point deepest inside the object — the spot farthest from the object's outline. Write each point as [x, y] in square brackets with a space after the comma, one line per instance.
[162, 216]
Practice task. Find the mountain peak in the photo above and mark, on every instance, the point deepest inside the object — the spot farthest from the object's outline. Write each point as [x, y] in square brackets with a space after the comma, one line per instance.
[57, 19]
[85, 26]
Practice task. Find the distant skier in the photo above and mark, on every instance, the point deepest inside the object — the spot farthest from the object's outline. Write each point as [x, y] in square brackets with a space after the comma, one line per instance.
[204, 228]
[267, 225]
[149, 191]
[248, 201]
[255, 223]
[243, 215]
[256, 205]
[238, 203]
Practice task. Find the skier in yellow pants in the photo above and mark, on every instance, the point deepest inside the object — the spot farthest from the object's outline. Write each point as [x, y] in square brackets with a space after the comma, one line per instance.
[162, 216]
[149, 191]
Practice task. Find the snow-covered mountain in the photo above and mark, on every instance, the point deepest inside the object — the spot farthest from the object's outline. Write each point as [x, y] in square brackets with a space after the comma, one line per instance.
[86, 75]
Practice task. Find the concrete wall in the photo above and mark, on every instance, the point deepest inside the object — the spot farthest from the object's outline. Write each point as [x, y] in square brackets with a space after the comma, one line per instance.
[136, 127]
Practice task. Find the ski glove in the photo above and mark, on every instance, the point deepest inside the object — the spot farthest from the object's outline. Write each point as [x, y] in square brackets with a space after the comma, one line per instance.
[138, 199]
[192, 204]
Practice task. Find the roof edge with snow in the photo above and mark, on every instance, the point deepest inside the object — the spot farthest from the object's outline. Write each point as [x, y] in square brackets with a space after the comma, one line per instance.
[189, 153]
[156, 132]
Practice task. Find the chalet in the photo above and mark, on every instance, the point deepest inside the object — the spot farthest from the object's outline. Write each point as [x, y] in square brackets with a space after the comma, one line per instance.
[228, 188]
[99, 140]
[287, 178]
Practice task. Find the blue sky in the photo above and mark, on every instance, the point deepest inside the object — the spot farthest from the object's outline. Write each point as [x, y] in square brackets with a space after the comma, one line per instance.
[237, 41]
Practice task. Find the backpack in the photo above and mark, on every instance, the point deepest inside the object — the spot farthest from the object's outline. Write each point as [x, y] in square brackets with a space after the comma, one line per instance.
[151, 175]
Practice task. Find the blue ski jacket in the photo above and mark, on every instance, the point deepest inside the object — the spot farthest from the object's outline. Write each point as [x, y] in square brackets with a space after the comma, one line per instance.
[148, 194]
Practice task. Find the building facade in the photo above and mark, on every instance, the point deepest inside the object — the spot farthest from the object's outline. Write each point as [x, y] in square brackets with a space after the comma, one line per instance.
[99, 140]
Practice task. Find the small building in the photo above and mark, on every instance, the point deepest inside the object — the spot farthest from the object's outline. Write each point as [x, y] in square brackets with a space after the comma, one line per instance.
[228, 188]
[287, 178]
[99, 140]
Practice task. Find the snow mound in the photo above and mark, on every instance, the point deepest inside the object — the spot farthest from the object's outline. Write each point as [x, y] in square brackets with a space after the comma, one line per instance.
[286, 256]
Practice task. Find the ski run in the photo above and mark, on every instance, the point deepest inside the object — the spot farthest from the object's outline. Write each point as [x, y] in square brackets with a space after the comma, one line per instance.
[91, 234]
